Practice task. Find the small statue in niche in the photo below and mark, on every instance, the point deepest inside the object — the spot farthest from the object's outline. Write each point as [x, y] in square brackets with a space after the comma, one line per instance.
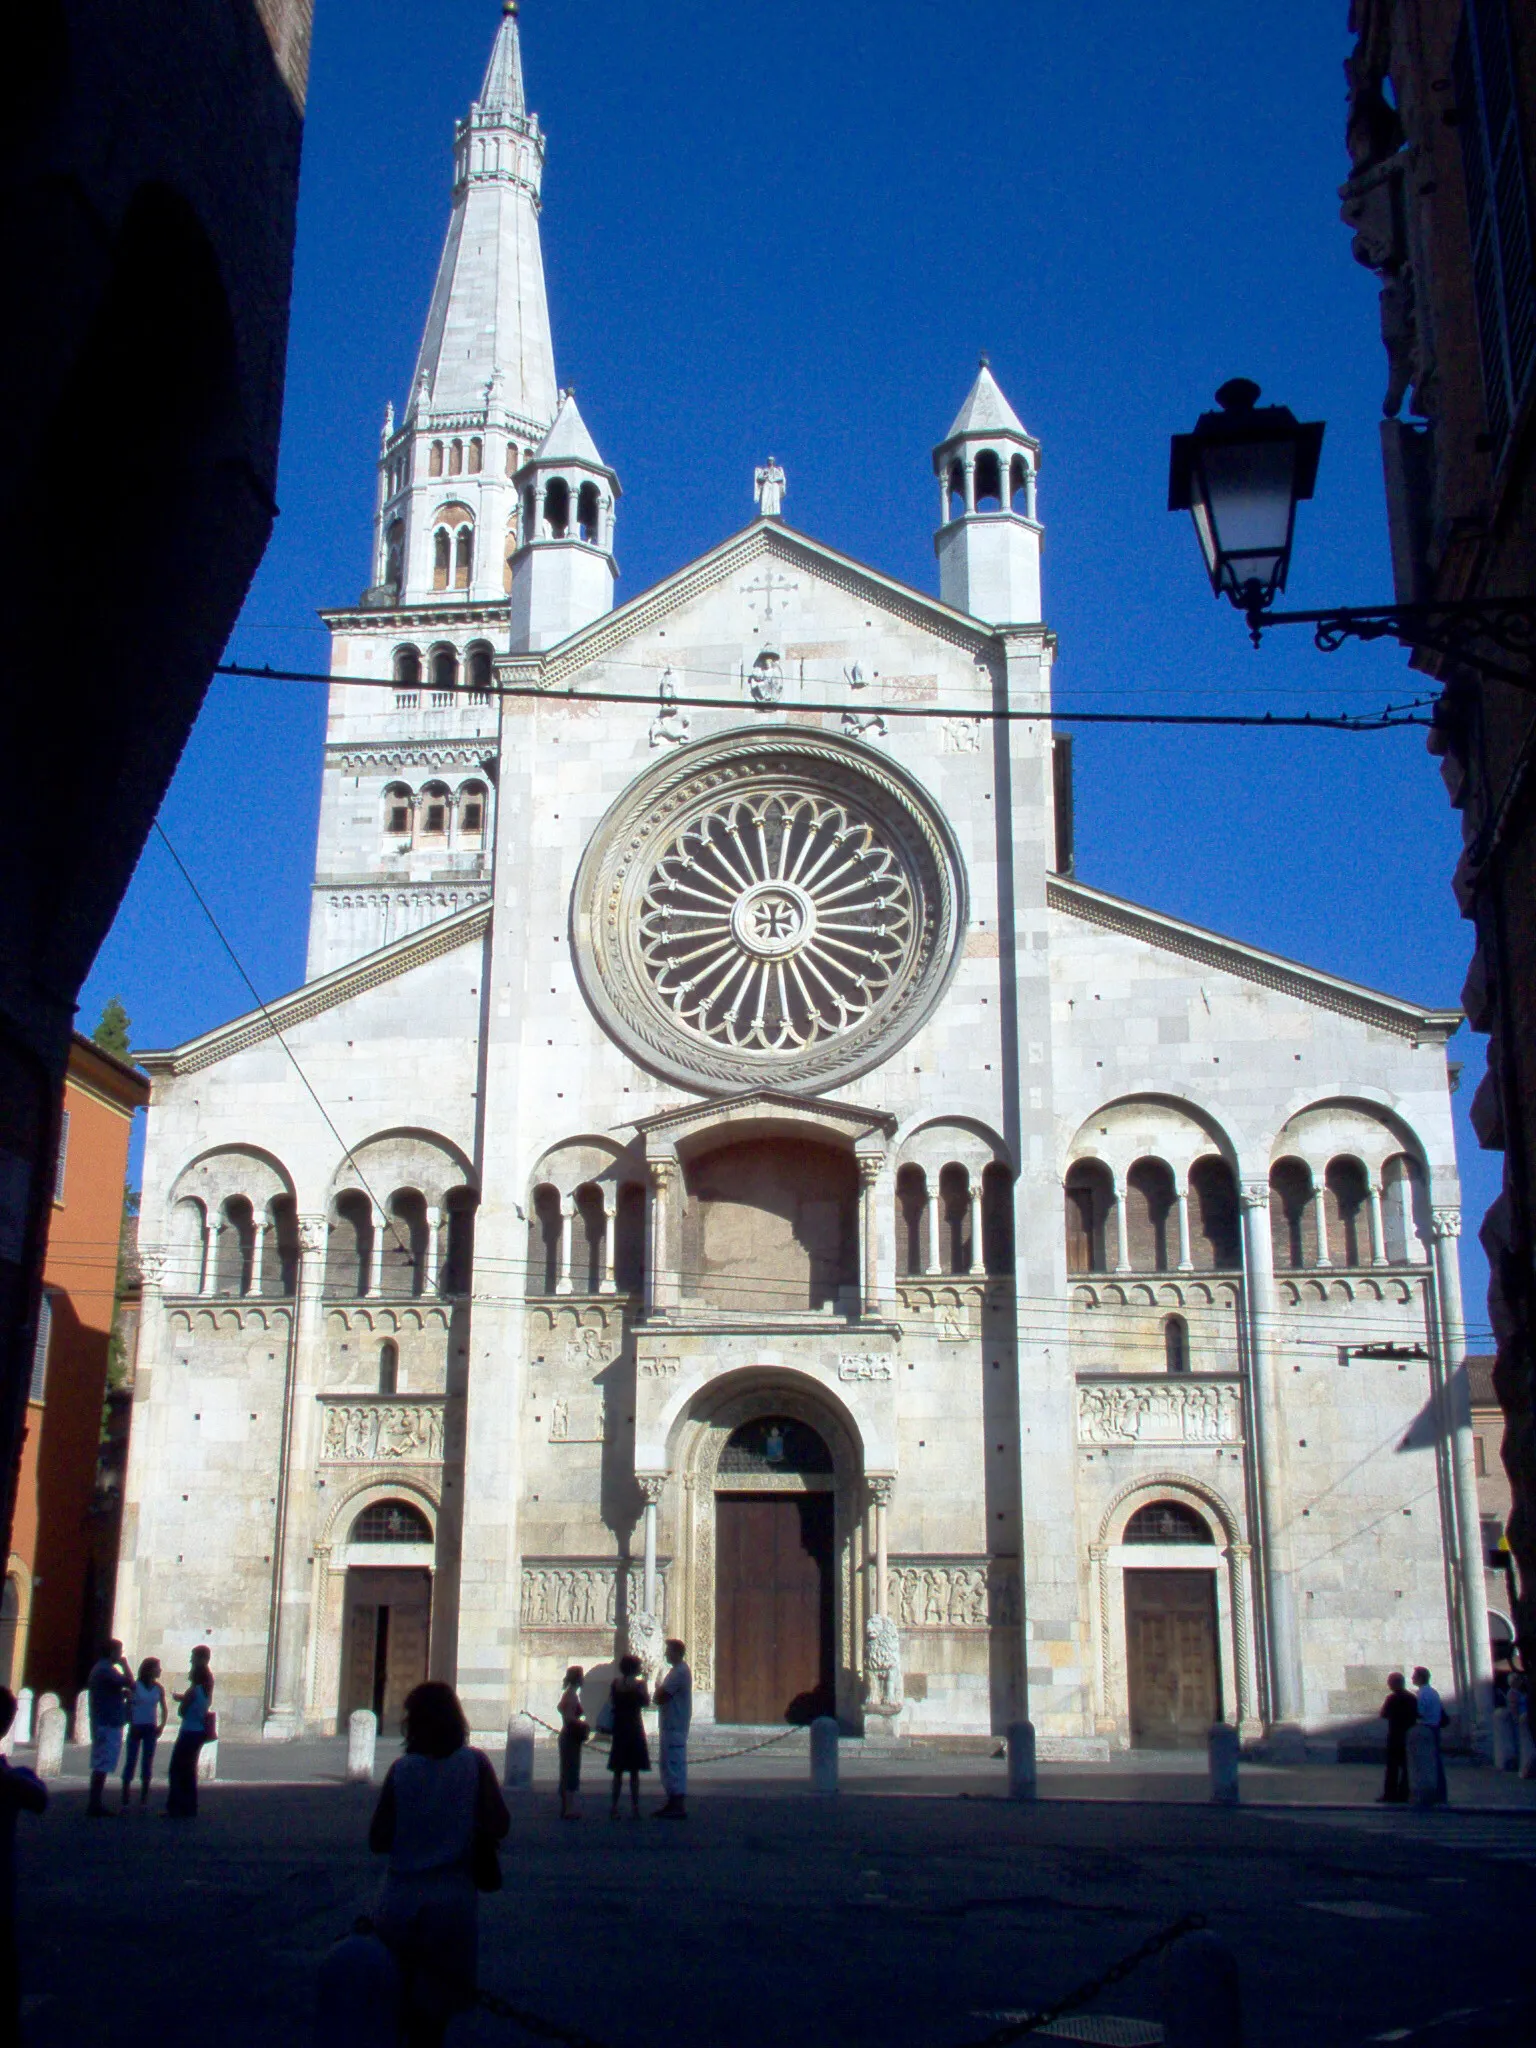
[882, 1661]
[766, 679]
[559, 1422]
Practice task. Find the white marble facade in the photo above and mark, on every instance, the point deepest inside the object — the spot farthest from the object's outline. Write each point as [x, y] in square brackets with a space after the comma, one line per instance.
[705, 1065]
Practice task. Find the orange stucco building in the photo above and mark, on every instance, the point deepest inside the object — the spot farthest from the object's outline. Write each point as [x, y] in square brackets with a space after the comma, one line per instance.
[54, 1572]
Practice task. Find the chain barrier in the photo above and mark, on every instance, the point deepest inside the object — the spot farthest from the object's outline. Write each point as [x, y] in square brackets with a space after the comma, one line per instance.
[695, 1762]
[1017, 2030]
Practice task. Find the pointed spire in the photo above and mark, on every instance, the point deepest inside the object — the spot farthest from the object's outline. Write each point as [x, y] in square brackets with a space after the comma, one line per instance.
[985, 410]
[502, 92]
[568, 439]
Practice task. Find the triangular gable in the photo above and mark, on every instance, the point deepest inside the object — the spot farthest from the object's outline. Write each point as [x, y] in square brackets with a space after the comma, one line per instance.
[764, 537]
[400, 956]
[1249, 963]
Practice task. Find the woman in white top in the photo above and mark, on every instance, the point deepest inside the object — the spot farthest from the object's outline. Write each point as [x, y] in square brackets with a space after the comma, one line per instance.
[439, 1818]
[146, 1717]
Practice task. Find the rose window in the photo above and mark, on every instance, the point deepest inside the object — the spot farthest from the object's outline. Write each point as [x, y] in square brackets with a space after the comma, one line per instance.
[768, 909]
[771, 922]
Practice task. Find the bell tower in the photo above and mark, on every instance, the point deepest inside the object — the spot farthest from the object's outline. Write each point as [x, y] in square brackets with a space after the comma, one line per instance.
[988, 542]
[563, 570]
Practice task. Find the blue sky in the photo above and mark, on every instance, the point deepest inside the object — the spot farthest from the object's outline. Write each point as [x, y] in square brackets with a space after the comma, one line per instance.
[792, 226]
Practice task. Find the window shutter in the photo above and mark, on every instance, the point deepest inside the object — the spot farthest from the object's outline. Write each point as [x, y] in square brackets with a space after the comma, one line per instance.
[1498, 213]
[40, 1347]
[58, 1171]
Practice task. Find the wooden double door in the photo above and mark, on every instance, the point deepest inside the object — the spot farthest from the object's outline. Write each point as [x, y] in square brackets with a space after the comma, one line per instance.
[1172, 1659]
[384, 1651]
[773, 1607]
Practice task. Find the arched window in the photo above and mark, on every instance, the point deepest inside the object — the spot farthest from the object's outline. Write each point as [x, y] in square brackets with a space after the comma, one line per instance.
[435, 459]
[629, 1239]
[189, 1247]
[589, 513]
[463, 557]
[455, 458]
[957, 490]
[514, 460]
[407, 668]
[391, 1521]
[1090, 1203]
[394, 554]
[997, 1218]
[403, 1265]
[445, 676]
[1150, 1201]
[442, 559]
[1166, 1521]
[591, 1238]
[235, 1248]
[1346, 1204]
[1292, 1219]
[557, 508]
[1176, 1344]
[1018, 487]
[389, 1367]
[478, 672]
[10, 1618]
[471, 832]
[989, 482]
[956, 1248]
[349, 1247]
[509, 548]
[476, 456]
[1402, 1210]
[544, 1241]
[911, 1220]
[456, 1267]
[1215, 1234]
[398, 805]
[776, 1443]
[433, 807]
[530, 513]
[280, 1247]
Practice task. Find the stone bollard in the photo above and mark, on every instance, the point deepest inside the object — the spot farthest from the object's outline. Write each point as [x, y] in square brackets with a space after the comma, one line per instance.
[1200, 2001]
[1223, 1748]
[1506, 1744]
[81, 1731]
[208, 1762]
[23, 1721]
[1527, 1748]
[45, 1701]
[824, 1741]
[1423, 1768]
[52, 1727]
[1021, 1760]
[362, 1740]
[517, 1772]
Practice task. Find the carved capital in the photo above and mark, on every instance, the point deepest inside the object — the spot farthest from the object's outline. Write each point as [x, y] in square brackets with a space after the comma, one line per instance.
[882, 1488]
[1240, 1552]
[1445, 1222]
[871, 1165]
[1254, 1194]
[152, 1265]
[662, 1173]
[652, 1485]
[312, 1233]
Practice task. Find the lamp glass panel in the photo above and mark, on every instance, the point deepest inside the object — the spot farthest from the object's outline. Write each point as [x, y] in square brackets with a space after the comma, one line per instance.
[1248, 488]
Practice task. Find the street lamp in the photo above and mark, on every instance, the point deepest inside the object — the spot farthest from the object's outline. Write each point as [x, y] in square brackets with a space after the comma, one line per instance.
[1241, 474]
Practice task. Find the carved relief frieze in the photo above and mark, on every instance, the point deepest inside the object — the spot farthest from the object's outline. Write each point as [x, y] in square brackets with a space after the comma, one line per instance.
[950, 1595]
[582, 1594]
[1160, 1411]
[382, 1433]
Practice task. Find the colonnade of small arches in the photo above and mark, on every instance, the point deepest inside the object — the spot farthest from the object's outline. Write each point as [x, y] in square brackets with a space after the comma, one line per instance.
[587, 1240]
[975, 483]
[567, 508]
[953, 1219]
[446, 675]
[437, 815]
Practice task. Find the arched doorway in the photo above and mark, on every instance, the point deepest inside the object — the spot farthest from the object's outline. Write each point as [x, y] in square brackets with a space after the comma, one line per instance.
[1173, 1662]
[388, 1616]
[774, 1574]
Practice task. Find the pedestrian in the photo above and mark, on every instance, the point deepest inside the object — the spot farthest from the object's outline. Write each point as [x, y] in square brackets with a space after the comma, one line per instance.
[107, 1689]
[1399, 1710]
[439, 1818]
[1432, 1713]
[674, 1702]
[198, 1726]
[628, 1752]
[573, 1733]
[147, 1715]
[21, 1791]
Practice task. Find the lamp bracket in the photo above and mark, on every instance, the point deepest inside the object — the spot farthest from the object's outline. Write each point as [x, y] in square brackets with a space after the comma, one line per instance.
[1453, 629]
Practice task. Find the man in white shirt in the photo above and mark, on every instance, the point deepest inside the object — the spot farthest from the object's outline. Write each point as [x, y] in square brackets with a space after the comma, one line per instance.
[1432, 1715]
[674, 1701]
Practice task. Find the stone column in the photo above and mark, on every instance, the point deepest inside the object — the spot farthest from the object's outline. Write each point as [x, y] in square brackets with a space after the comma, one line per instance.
[1445, 1224]
[1186, 1263]
[661, 1276]
[651, 1485]
[570, 1216]
[1267, 1465]
[1378, 1234]
[1122, 1253]
[1238, 1556]
[944, 496]
[209, 1279]
[288, 1655]
[1029, 491]
[870, 1165]
[970, 484]
[935, 1227]
[258, 1236]
[605, 1242]
[882, 1491]
[1320, 1221]
[434, 1229]
[978, 1255]
[375, 1272]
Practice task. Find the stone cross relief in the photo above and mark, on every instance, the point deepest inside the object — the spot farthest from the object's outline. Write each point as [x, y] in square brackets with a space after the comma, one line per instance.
[765, 590]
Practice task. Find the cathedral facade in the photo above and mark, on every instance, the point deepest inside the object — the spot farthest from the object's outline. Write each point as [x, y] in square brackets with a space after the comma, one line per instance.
[725, 1175]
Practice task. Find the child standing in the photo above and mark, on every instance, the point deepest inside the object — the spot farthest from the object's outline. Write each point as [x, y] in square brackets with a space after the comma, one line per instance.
[146, 1717]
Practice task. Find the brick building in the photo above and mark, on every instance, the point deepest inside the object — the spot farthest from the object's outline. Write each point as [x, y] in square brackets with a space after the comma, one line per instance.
[148, 181]
[1442, 125]
[57, 1593]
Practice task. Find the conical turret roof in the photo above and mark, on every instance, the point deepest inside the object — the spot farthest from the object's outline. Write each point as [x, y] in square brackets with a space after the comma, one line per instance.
[568, 439]
[985, 410]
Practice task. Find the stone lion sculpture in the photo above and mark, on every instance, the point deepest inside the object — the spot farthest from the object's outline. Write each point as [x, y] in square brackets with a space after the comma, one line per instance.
[882, 1660]
[647, 1640]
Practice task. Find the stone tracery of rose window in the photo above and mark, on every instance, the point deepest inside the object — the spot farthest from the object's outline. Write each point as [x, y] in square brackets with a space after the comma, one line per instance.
[774, 921]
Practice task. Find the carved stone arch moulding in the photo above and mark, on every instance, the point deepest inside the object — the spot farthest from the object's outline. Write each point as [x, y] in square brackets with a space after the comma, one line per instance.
[1179, 1486]
[768, 909]
[345, 1511]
